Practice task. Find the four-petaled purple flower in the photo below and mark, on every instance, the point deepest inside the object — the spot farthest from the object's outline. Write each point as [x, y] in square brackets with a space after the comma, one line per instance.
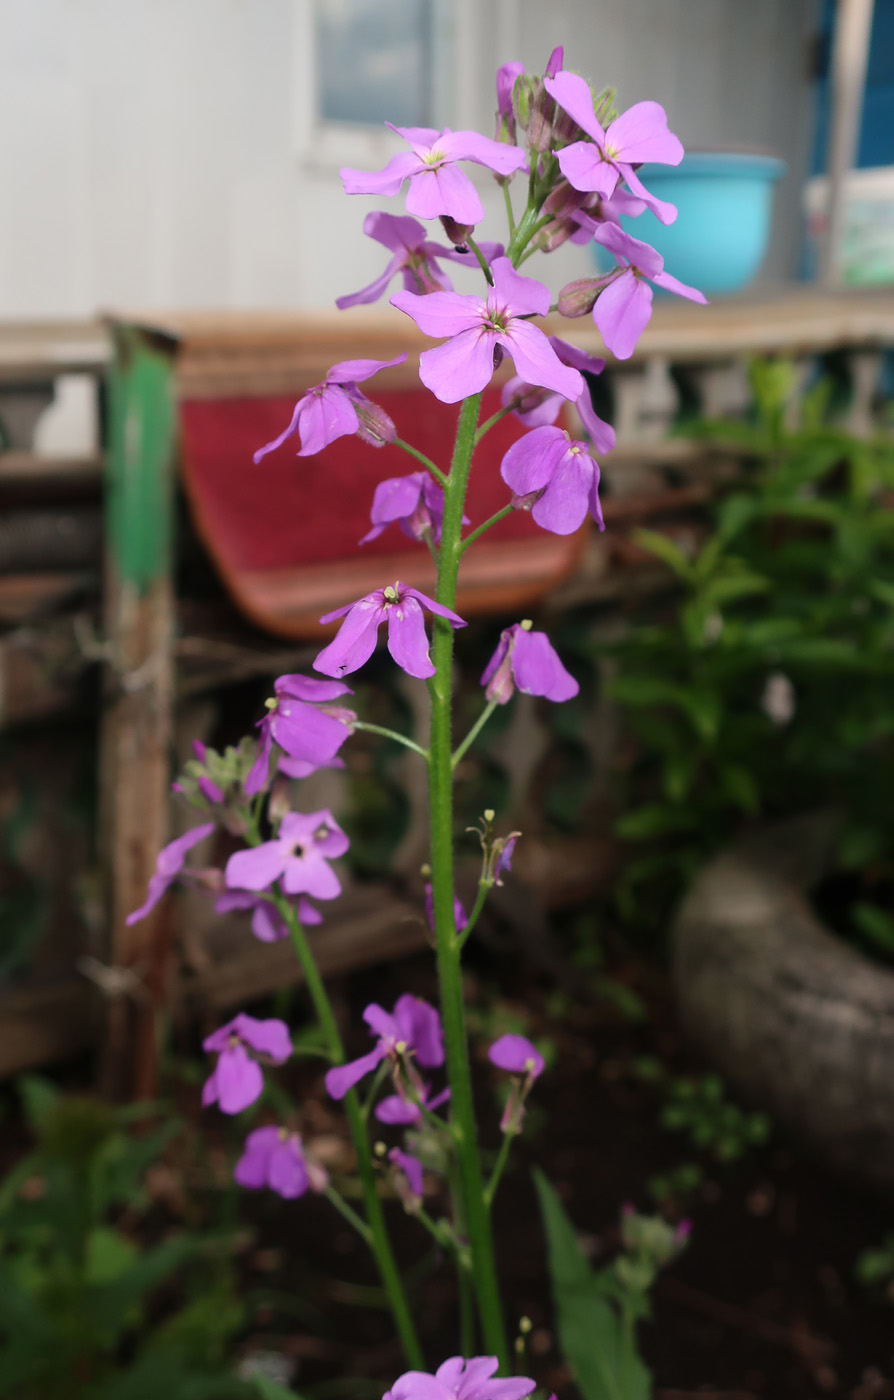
[623, 299]
[526, 659]
[482, 328]
[461, 1379]
[539, 408]
[416, 501]
[168, 865]
[305, 724]
[337, 408]
[267, 923]
[637, 135]
[415, 258]
[298, 855]
[401, 607]
[436, 185]
[516, 1054]
[413, 1027]
[274, 1157]
[556, 475]
[237, 1079]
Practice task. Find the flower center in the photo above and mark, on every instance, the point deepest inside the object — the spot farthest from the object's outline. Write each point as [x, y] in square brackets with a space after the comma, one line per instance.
[391, 594]
[433, 157]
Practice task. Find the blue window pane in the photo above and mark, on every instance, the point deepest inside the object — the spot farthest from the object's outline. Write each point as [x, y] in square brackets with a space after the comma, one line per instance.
[374, 61]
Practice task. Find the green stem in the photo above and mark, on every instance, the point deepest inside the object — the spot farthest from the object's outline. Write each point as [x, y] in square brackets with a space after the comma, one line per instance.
[390, 734]
[375, 1218]
[421, 457]
[349, 1214]
[490, 422]
[484, 887]
[471, 1185]
[473, 733]
[482, 261]
[477, 533]
[507, 200]
[502, 1159]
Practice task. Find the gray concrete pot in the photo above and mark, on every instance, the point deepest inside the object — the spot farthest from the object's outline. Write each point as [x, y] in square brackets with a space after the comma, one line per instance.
[798, 1021]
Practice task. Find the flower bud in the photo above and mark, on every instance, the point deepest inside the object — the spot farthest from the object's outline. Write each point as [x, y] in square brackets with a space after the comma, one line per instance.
[459, 234]
[564, 200]
[527, 502]
[578, 298]
[375, 427]
[523, 93]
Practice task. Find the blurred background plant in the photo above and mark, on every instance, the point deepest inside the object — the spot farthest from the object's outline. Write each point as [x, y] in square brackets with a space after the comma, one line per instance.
[765, 690]
[98, 1301]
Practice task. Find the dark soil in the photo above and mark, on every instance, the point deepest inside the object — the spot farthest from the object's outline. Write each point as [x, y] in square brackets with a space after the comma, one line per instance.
[763, 1303]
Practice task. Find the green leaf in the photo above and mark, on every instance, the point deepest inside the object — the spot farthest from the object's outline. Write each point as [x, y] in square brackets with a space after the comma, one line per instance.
[664, 549]
[109, 1254]
[876, 926]
[654, 819]
[40, 1099]
[591, 1336]
[272, 1390]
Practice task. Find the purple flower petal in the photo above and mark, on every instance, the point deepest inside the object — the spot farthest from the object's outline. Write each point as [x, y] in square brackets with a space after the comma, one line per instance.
[639, 254]
[397, 1112]
[622, 312]
[356, 639]
[341, 1078]
[422, 1028]
[665, 212]
[460, 367]
[255, 868]
[516, 1054]
[287, 1174]
[537, 362]
[530, 462]
[574, 97]
[328, 414]
[441, 313]
[673, 284]
[355, 371]
[562, 508]
[411, 1168]
[381, 1022]
[446, 190]
[641, 134]
[237, 1081]
[253, 1166]
[267, 923]
[407, 639]
[385, 182]
[483, 150]
[310, 874]
[538, 670]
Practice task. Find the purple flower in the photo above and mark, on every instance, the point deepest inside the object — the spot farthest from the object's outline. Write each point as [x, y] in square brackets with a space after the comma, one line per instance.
[237, 1080]
[517, 1055]
[401, 607]
[436, 185]
[504, 849]
[274, 1157]
[416, 501]
[304, 723]
[526, 659]
[639, 134]
[335, 408]
[480, 329]
[298, 856]
[461, 1379]
[623, 306]
[168, 865]
[415, 258]
[267, 923]
[408, 1176]
[398, 1111]
[413, 1027]
[460, 918]
[539, 408]
[559, 474]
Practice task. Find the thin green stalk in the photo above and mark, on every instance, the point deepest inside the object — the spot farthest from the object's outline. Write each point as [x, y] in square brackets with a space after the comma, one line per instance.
[484, 888]
[471, 1185]
[477, 533]
[482, 261]
[502, 1159]
[349, 1214]
[380, 1244]
[507, 200]
[473, 733]
[390, 734]
[466, 1310]
[421, 457]
[490, 422]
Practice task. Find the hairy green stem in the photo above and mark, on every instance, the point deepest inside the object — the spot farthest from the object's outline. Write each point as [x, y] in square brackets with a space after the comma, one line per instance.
[490, 422]
[502, 1159]
[348, 1213]
[379, 1242]
[507, 199]
[390, 734]
[484, 888]
[471, 1184]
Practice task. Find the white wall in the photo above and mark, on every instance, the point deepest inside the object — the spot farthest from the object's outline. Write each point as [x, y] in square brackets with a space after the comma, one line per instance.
[149, 150]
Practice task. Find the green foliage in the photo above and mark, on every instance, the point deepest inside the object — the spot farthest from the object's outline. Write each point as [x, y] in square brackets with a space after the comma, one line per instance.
[597, 1310]
[78, 1293]
[765, 689]
[875, 1268]
[700, 1109]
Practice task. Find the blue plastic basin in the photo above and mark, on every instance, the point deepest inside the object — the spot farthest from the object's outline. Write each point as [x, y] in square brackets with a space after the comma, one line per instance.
[725, 204]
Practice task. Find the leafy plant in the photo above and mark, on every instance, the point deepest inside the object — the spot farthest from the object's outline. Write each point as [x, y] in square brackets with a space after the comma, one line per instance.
[78, 1293]
[875, 1267]
[766, 688]
[597, 1310]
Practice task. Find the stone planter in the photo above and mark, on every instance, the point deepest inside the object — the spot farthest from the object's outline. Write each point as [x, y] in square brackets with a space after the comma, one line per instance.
[800, 1022]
